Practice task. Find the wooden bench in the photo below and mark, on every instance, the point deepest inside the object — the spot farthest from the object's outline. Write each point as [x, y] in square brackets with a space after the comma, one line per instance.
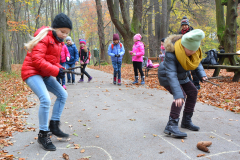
[233, 67]
[146, 69]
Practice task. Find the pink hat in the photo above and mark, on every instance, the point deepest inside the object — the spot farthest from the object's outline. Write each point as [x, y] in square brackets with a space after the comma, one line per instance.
[138, 37]
[82, 41]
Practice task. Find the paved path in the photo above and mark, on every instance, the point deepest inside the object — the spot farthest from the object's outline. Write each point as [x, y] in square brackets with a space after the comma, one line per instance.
[129, 124]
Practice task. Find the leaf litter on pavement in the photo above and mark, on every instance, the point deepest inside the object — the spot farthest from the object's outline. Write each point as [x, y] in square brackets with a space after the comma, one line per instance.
[227, 96]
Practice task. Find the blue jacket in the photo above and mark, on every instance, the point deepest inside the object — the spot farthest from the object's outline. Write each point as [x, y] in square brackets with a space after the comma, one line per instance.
[116, 50]
[171, 72]
[74, 57]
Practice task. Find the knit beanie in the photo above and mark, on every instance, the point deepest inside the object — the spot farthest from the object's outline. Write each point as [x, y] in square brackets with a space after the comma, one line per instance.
[69, 38]
[62, 21]
[115, 37]
[185, 21]
[192, 39]
[163, 39]
[137, 37]
[184, 17]
[82, 41]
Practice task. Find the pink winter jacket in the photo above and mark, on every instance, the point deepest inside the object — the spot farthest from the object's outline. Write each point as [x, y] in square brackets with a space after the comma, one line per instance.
[138, 48]
[64, 54]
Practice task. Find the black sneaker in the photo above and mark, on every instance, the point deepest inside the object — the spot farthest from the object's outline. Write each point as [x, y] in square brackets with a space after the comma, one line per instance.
[68, 82]
[45, 141]
[54, 128]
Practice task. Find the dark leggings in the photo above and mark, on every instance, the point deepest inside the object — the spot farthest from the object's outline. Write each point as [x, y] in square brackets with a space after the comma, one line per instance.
[191, 92]
[83, 71]
[138, 66]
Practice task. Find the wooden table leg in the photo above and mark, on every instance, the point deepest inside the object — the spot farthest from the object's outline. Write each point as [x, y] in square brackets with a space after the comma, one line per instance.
[217, 70]
[236, 76]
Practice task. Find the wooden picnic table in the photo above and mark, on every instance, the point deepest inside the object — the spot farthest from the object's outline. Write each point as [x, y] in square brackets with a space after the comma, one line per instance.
[233, 67]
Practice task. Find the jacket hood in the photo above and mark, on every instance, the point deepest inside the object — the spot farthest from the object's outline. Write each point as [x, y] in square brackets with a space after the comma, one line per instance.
[170, 41]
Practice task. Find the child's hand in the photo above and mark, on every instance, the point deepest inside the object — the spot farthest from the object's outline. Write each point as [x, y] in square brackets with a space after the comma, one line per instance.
[134, 54]
[76, 63]
[130, 52]
[68, 59]
[82, 62]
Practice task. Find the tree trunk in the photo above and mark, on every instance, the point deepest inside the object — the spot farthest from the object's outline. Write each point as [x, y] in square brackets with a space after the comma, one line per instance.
[151, 38]
[116, 8]
[220, 21]
[163, 31]
[157, 25]
[38, 15]
[68, 8]
[230, 36]
[101, 35]
[47, 12]
[4, 40]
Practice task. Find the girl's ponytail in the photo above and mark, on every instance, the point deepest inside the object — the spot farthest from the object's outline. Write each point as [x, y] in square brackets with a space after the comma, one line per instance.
[32, 43]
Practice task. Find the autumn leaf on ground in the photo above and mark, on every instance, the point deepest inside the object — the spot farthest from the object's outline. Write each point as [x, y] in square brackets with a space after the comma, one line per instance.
[76, 146]
[65, 156]
[182, 140]
[200, 155]
[132, 119]
[97, 136]
[154, 135]
[83, 159]
[75, 134]
[82, 151]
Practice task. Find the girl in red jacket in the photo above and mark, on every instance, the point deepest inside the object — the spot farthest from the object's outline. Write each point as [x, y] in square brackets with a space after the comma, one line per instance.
[39, 68]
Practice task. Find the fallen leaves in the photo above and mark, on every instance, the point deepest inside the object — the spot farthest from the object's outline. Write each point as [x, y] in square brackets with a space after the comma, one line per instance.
[82, 151]
[132, 119]
[200, 155]
[65, 156]
[182, 140]
[226, 96]
[202, 145]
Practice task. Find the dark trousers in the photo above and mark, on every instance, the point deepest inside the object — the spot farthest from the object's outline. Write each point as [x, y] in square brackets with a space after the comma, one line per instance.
[189, 91]
[138, 66]
[195, 79]
[83, 71]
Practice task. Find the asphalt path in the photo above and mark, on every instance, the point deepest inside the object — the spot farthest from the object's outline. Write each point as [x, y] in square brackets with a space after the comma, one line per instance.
[110, 122]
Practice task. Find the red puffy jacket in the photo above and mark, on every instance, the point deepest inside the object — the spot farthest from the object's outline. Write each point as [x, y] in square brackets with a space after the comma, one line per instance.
[44, 59]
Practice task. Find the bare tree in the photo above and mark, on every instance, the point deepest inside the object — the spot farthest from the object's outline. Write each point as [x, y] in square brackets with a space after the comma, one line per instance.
[101, 30]
[157, 24]
[163, 31]
[4, 40]
[151, 38]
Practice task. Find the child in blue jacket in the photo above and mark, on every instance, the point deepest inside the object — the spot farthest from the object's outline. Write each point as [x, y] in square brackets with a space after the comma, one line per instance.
[116, 51]
[74, 58]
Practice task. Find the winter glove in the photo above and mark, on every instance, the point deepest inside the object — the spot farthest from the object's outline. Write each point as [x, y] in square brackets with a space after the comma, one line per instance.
[117, 55]
[61, 74]
[68, 59]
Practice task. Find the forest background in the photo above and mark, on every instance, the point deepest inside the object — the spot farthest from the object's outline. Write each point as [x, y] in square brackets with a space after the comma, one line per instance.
[97, 20]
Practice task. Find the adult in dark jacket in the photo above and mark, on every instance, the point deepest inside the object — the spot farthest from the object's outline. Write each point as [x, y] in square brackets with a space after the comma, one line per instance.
[74, 58]
[183, 53]
[186, 28]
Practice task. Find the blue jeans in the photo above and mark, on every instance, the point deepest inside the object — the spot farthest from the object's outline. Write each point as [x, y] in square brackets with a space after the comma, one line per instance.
[40, 86]
[63, 79]
[117, 68]
[68, 74]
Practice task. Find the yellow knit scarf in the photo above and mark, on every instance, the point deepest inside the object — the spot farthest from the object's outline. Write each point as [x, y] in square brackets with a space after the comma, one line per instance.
[188, 63]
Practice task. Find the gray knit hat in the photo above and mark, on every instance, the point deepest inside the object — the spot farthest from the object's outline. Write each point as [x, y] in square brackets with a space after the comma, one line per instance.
[192, 39]
[69, 38]
[185, 21]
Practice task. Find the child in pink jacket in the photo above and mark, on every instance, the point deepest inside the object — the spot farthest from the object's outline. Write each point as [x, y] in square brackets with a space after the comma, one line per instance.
[65, 55]
[137, 57]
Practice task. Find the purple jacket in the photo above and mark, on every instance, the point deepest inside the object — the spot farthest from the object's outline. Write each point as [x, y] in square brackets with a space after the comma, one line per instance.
[138, 48]
[64, 54]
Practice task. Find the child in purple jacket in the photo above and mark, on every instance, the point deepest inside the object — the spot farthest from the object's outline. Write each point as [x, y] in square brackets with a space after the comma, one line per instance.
[137, 57]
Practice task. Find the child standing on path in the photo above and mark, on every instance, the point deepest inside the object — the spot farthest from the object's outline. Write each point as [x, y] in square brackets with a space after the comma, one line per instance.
[84, 59]
[116, 51]
[137, 57]
[40, 65]
[64, 56]
[183, 53]
[73, 59]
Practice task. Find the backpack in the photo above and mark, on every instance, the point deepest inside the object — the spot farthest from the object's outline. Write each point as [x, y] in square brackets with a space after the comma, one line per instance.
[89, 54]
[119, 44]
[211, 58]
